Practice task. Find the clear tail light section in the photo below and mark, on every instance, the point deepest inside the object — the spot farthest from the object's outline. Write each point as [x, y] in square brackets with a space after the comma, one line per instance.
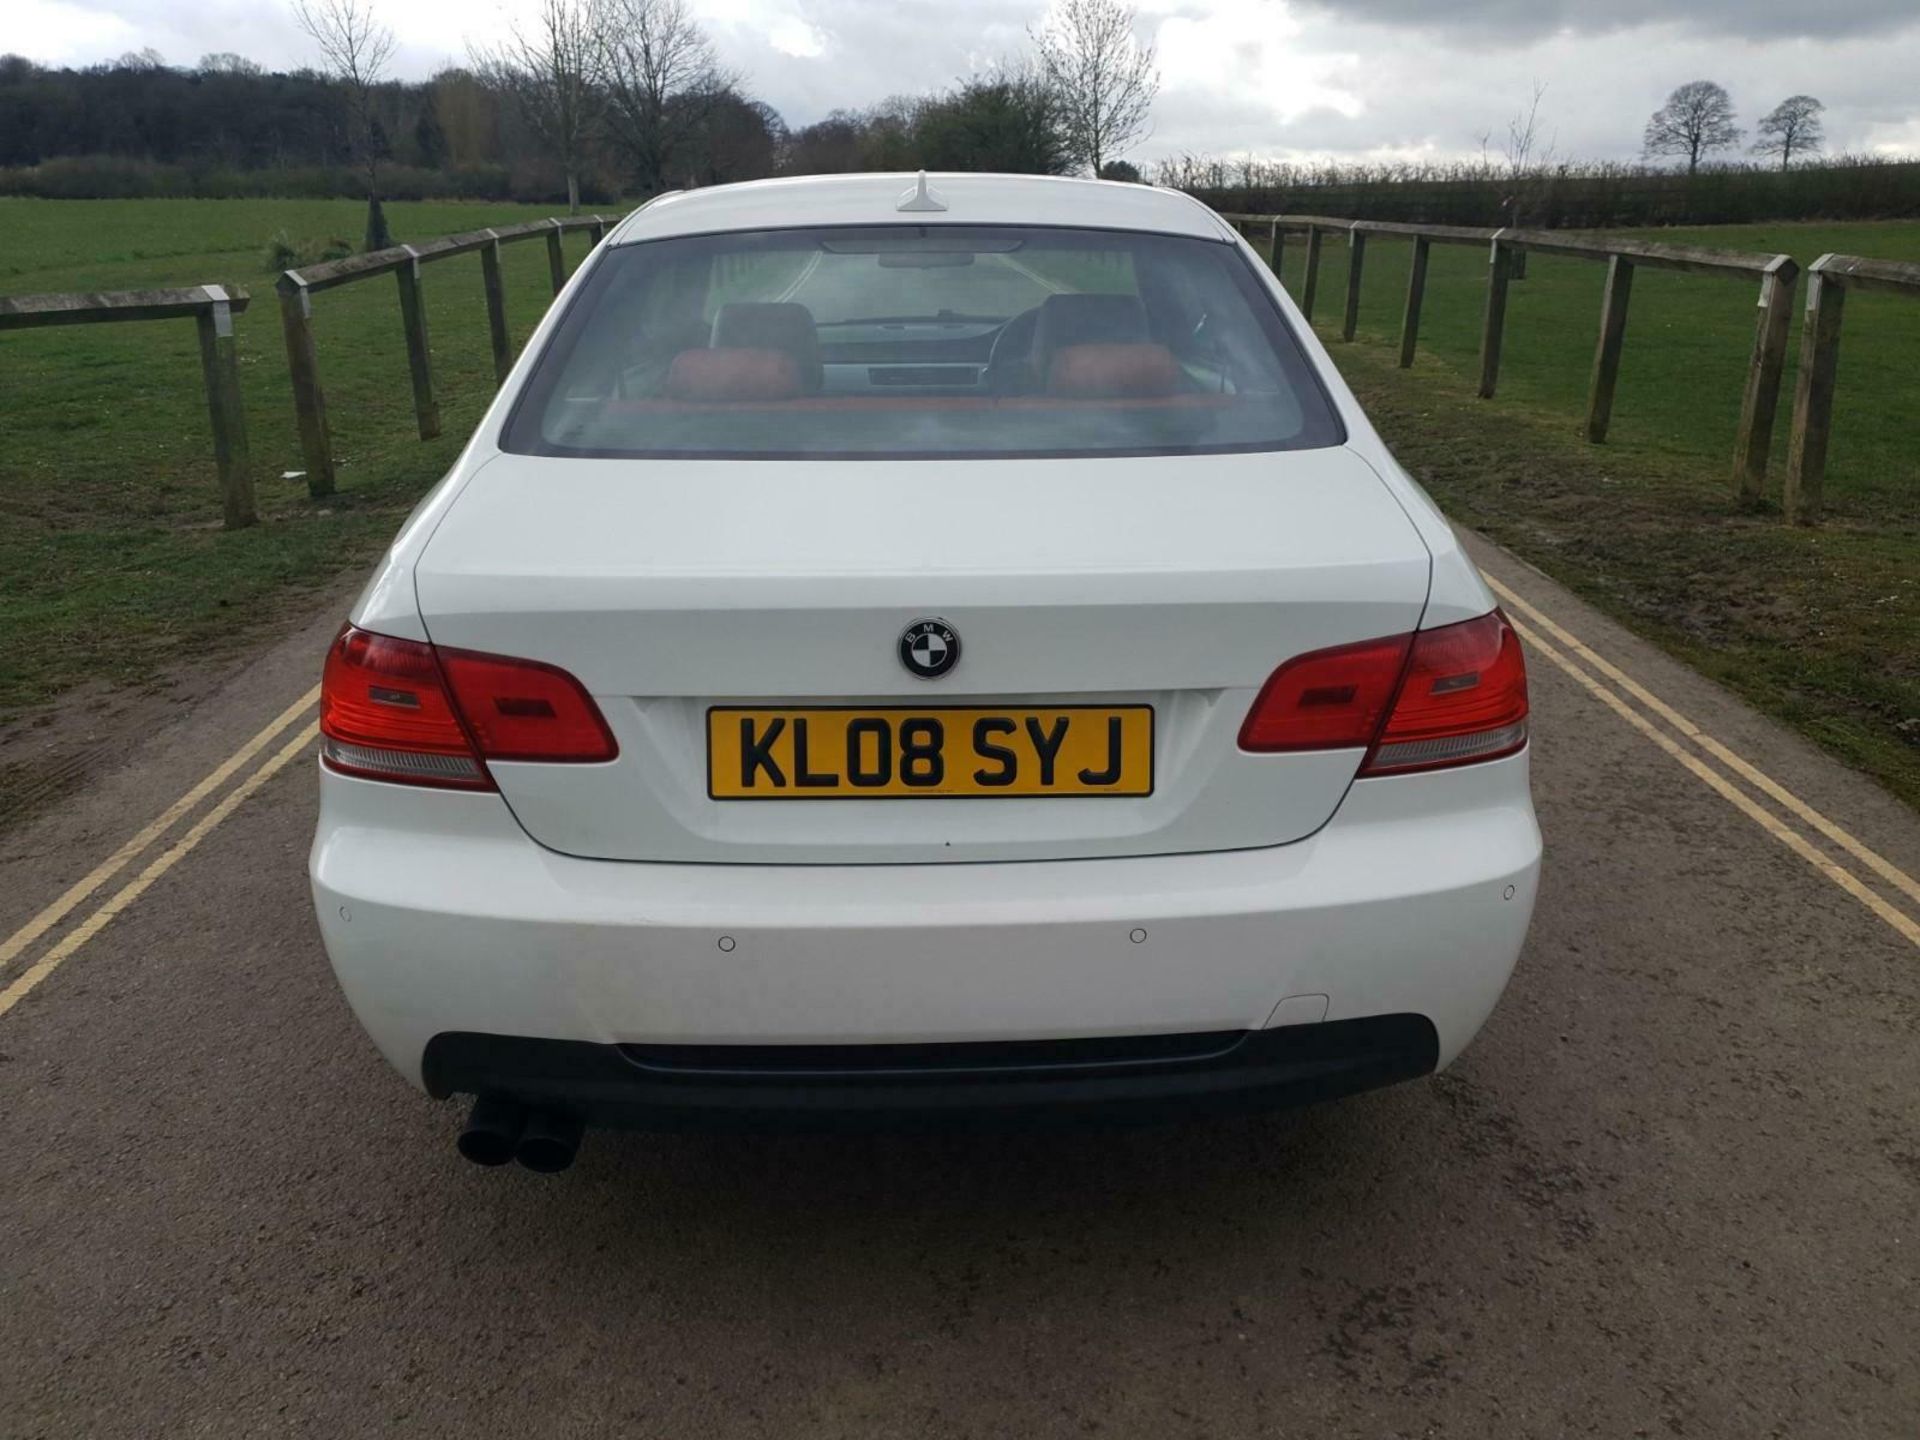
[402, 711]
[1449, 696]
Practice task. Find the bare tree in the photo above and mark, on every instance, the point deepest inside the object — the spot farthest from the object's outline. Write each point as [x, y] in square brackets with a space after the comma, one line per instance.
[1529, 157]
[1696, 120]
[661, 77]
[1790, 128]
[1103, 77]
[355, 48]
[225, 62]
[1524, 151]
[549, 72]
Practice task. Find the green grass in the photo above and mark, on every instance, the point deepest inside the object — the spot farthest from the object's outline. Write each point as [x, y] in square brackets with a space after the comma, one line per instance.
[112, 562]
[1821, 627]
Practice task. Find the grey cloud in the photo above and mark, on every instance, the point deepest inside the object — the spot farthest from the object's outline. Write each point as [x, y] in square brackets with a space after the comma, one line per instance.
[1417, 98]
[1517, 22]
[874, 49]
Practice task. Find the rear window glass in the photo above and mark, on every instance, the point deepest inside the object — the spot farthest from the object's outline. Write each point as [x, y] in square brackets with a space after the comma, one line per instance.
[918, 341]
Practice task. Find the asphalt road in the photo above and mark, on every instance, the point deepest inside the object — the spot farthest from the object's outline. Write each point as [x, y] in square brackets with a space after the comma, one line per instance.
[1674, 1189]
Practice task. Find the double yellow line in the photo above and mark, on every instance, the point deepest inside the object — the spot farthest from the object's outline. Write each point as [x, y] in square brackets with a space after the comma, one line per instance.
[84, 888]
[1780, 829]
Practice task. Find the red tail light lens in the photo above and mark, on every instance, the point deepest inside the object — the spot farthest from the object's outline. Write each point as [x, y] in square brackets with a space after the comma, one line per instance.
[1424, 701]
[1464, 699]
[385, 712]
[1328, 700]
[399, 710]
[523, 710]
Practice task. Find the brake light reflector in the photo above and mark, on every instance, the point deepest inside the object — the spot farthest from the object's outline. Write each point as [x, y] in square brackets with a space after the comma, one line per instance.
[523, 710]
[399, 710]
[1327, 700]
[1424, 701]
[1464, 699]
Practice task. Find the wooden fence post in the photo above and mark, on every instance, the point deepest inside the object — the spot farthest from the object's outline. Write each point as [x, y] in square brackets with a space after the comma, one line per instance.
[309, 402]
[597, 231]
[496, 308]
[1311, 283]
[1754, 445]
[1813, 396]
[1606, 355]
[1274, 251]
[556, 257]
[1356, 262]
[413, 315]
[220, 369]
[1416, 294]
[1492, 332]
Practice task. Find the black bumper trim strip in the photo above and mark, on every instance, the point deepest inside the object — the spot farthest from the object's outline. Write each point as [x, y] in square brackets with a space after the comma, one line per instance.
[890, 1086]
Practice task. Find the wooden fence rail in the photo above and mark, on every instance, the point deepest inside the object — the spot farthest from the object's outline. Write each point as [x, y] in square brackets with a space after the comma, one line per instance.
[1315, 228]
[212, 309]
[1507, 247]
[1760, 399]
[298, 287]
[1423, 237]
[1828, 280]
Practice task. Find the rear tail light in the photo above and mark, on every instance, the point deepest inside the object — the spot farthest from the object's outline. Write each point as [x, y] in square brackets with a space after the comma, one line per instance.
[523, 710]
[1330, 700]
[1464, 698]
[403, 711]
[1424, 701]
[386, 712]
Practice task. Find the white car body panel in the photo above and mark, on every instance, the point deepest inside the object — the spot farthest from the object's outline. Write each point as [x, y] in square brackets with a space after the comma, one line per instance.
[1256, 880]
[1415, 899]
[874, 199]
[665, 587]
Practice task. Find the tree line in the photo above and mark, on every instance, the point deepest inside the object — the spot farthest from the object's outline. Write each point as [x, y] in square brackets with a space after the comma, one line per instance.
[1563, 195]
[1521, 180]
[586, 100]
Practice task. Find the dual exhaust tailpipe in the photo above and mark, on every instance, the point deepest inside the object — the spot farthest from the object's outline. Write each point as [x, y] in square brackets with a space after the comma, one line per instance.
[501, 1128]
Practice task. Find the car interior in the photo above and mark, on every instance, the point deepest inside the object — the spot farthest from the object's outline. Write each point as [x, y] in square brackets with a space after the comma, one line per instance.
[906, 347]
[1070, 347]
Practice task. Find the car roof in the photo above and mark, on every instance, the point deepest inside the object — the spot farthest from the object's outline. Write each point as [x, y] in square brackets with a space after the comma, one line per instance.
[969, 199]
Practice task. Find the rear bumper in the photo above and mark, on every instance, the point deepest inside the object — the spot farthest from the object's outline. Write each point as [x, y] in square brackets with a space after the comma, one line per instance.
[441, 918]
[970, 1084]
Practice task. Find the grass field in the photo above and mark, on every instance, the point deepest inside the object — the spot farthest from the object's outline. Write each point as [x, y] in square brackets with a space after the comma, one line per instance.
[112, 565]
[112, 562]
[1821, 626]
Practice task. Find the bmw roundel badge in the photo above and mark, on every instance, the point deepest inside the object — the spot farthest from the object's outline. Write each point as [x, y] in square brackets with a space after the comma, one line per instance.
[929, 649]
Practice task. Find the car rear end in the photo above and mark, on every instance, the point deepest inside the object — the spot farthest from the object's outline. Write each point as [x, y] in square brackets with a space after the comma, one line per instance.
[893, 670]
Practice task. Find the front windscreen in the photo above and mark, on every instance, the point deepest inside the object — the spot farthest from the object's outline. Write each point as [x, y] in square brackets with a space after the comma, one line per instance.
[921, 341]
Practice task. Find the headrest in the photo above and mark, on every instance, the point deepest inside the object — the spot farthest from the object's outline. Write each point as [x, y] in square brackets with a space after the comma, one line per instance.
[771, 325]
[1083, 319]
[740, 373]
[1112, 371]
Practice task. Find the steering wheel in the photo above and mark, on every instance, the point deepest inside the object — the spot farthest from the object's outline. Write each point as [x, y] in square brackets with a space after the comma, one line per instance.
[1010, 361]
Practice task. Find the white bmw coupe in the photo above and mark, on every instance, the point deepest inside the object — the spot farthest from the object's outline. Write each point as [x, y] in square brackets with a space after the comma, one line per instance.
[911, 650]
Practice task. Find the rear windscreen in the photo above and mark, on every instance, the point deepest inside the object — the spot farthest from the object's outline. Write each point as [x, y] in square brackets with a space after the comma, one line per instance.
[917, 341]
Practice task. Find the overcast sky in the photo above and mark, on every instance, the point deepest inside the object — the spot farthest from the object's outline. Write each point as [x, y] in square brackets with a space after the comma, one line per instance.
[1281, 78]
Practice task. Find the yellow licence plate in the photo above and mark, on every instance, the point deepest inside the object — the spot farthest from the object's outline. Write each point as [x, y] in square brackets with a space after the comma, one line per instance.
[930, 751]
